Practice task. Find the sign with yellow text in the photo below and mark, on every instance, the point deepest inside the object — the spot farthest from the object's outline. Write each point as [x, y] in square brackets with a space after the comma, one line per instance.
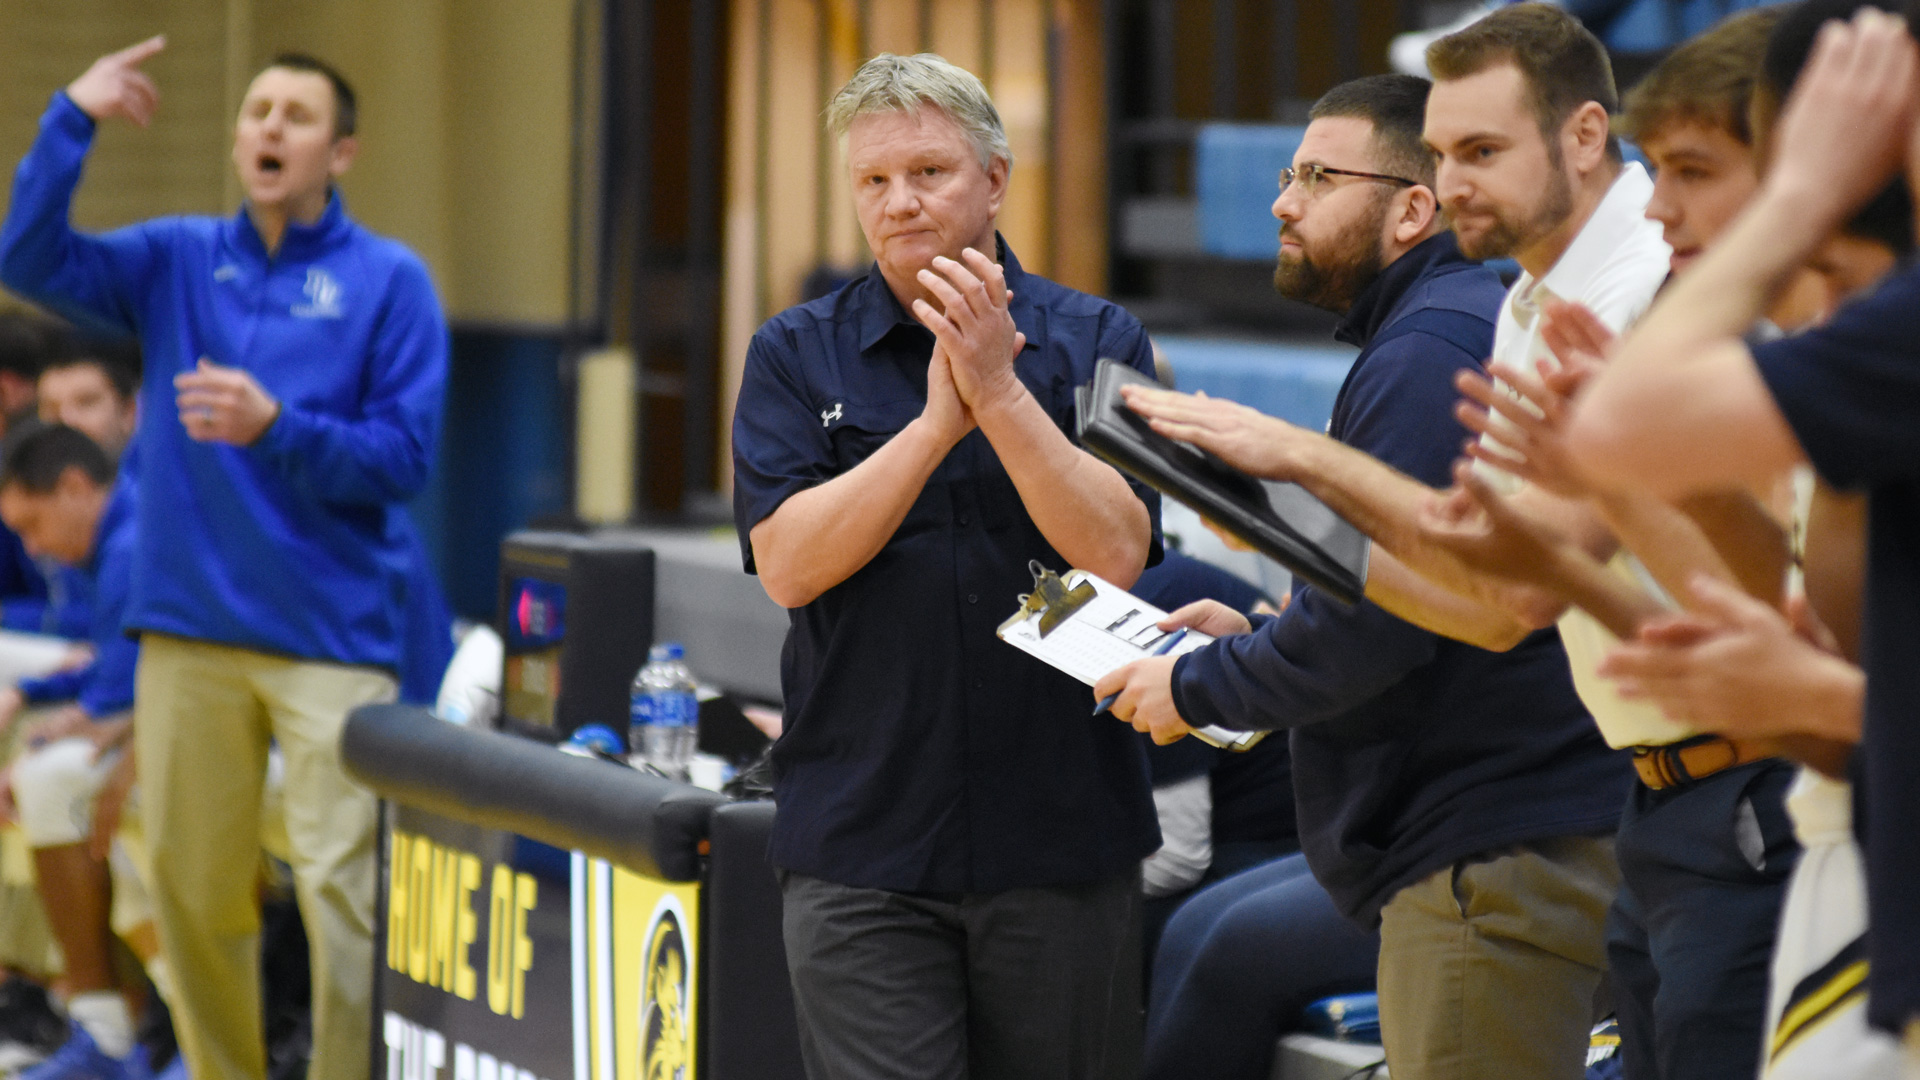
[507, 959]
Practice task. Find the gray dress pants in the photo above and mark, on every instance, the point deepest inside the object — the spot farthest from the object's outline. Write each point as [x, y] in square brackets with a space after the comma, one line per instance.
[1026, 984]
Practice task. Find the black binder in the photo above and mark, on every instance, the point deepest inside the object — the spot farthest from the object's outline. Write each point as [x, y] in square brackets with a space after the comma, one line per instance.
[1281, 521]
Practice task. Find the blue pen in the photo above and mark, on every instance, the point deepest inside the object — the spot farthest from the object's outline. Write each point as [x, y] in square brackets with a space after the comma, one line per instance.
[1161, 649]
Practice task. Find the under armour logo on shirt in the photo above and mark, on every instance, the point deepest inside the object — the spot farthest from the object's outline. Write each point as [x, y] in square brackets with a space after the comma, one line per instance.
[323, 296]
[828, 416]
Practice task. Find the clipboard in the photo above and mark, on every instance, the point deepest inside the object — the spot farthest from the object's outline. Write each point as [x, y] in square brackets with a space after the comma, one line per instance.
[1085, 626]
[1284, 522]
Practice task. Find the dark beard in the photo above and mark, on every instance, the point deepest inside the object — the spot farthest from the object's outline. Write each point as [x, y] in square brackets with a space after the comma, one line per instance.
[1334, 280]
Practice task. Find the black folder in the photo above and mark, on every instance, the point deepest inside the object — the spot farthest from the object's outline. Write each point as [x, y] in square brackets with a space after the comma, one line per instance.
[1281, 521]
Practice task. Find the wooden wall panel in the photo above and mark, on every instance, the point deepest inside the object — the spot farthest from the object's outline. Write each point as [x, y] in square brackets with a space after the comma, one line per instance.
[845, 247]
[959, 33]
[1019, 86]
[743, 288]
[792, 222]
[1079, 195]
[892, 27]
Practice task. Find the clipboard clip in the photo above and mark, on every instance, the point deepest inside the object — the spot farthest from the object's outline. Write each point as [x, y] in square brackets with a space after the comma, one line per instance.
[1051, 599]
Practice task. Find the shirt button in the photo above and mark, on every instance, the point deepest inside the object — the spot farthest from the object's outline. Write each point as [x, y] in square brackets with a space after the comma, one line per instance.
[979, 684]
[964, 519]
[973, 598]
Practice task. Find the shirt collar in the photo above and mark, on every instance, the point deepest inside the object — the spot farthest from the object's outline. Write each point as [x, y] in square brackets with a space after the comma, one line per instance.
[300, 241]
[879, 311]
[1616, 221]
[1376, 303]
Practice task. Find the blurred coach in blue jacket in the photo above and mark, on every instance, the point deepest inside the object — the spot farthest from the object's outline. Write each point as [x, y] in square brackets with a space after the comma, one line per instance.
[295, 366]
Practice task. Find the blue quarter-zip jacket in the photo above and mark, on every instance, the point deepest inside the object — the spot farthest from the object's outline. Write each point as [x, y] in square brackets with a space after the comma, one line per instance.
[105, 686]
[1410, 750]
[288, 545]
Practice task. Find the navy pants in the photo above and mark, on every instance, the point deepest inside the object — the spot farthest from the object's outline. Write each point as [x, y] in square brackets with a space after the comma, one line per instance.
[1237, 965]
[1703, 870]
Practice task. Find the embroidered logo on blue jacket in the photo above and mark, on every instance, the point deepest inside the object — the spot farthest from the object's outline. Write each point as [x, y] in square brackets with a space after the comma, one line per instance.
[323, 296]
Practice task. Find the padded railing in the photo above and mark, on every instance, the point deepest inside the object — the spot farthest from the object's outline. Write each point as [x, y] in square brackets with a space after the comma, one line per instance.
[651, 825]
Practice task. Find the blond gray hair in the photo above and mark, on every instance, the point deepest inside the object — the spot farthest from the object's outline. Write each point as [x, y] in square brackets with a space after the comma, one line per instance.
[893, 83]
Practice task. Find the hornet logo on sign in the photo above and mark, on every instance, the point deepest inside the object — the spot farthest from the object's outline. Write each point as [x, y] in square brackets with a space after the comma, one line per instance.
[666, 1035]
[828, 416]
[323, 297]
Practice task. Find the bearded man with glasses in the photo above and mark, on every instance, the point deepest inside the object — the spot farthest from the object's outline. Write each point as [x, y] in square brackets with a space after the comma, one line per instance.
[1429, 773]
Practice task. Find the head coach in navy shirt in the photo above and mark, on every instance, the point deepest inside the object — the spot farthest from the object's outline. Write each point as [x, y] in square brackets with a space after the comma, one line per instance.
[958, 839]
[1455, 798]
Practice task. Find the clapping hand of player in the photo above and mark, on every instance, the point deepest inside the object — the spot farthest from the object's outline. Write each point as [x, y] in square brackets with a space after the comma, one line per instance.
[1483, 529]
[1845, 129]
[223, 404]
[1736, 666]
[975, 327]
[115, 85]
[1532, 418]
[1243, 437]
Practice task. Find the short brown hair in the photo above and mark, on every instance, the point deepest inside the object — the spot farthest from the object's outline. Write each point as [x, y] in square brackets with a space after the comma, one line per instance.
[1396, 106]
[1564, 65]
[1707, 81]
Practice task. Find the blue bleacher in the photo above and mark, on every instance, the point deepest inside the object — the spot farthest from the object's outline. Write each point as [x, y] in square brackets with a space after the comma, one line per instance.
[1236, 176]
[1295, 381]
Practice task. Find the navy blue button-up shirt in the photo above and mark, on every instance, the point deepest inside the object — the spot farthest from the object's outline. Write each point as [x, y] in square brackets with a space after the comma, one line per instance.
[921, 753]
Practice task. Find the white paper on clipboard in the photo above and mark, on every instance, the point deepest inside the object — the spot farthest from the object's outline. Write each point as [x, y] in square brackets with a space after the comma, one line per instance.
[1109, 631]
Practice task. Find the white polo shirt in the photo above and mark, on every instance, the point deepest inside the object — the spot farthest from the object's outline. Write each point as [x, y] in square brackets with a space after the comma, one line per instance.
[1613, 267]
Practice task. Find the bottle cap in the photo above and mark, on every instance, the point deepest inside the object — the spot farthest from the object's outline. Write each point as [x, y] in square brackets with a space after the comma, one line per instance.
[667, 650]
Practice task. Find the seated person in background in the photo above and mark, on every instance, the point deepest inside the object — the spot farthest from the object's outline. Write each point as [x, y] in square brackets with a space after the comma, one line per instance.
[30, 603]
[57, 492]
[92, 388]
[27, 340]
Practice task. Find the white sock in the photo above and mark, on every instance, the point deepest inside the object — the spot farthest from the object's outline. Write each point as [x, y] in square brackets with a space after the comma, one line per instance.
[104, 1014]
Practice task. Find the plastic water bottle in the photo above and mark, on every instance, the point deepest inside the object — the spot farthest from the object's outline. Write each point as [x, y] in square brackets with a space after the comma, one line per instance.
[666, 712]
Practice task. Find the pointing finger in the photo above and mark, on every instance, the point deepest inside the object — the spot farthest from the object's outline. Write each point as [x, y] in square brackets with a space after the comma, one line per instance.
[140, 52]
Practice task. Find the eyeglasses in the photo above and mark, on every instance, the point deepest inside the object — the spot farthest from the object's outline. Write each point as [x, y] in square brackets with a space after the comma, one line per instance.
[1310, 177]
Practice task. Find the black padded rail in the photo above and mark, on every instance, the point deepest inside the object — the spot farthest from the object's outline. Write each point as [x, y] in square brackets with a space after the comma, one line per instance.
[643, 822]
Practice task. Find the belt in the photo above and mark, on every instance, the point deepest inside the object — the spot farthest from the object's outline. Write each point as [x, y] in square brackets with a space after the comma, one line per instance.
[1674, 764]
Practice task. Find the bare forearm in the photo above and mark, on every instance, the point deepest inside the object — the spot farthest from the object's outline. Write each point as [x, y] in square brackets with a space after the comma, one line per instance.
[1613, 601]
[1666, 541]
[1384, 503]
[1426, 604]
[1681, 407]
[821, 536]
[1083, 506]
[1751, 543]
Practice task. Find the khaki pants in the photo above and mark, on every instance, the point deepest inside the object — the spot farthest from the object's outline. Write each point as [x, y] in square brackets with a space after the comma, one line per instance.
[1489, 968]
[204, 714]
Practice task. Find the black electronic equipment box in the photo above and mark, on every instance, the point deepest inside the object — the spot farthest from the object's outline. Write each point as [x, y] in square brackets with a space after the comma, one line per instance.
[576, 616]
